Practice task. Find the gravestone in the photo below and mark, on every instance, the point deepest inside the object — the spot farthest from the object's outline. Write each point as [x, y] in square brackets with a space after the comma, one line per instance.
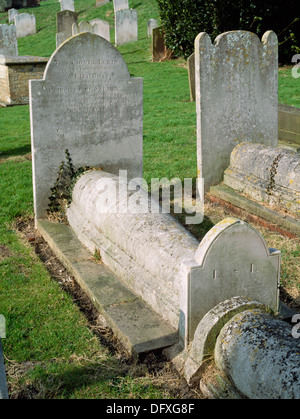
[11, 15]
[25, 25]
[65, 20]
[8, 40]
[152, 24]
[86, 103]
[191, 72]
[159, 49]
[101, 28]
[67, 5]
[126, 26]
[120, 5]
[237, 99]
[64, 23]
[82, 27]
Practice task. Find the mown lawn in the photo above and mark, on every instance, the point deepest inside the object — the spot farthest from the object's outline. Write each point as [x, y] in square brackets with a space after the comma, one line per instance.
[51, 349]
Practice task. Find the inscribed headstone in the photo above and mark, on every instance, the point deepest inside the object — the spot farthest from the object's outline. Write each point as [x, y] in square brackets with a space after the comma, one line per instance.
[25, 25]
[152, 24]
[86, 103]
[101, 28]
[126, 26]
[67, 5]
[237, 98]
[8, 40]
[120, 5]
[11, 15]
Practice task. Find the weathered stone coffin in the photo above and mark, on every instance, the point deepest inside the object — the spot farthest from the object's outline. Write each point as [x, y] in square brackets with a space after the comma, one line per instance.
[159, 260]
[269, 174]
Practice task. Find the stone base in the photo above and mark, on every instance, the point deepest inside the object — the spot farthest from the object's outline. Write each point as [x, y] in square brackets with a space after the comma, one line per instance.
[138, 327]
[227, 194]
[15, 73]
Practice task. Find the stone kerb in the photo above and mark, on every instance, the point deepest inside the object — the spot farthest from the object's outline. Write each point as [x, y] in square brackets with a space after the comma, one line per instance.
[126, 26]
[8, 40]
[25, 25]
[232, 260]
[236, 97]
[86, 101]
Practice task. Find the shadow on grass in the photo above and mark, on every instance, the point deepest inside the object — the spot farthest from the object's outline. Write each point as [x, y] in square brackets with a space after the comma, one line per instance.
[18, 151]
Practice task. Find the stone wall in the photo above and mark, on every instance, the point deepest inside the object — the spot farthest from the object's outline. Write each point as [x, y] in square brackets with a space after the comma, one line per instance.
[15, 74]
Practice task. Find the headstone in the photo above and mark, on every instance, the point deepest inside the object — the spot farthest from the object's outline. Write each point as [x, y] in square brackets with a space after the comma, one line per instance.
[8, 40]
[64, 23]
[120, 5]
[237, 99]
[232, 260]
[126, 26]
[25, 25]
[152, 24]
[11, 15]
[191, 72]
[86, 103]
[82, 27]
[101, 28]
[67, 5]
[159, 49]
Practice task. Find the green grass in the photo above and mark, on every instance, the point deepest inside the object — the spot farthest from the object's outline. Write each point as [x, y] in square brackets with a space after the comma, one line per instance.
[51, 350]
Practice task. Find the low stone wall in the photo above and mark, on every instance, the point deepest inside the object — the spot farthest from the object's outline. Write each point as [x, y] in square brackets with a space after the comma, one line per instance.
[15, 73]
[266, 174]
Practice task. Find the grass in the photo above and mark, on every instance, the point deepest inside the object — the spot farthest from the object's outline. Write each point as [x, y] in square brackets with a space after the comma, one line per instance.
[51, 349]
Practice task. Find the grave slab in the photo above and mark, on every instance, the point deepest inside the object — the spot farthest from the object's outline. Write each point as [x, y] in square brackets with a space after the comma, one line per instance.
[138, 326]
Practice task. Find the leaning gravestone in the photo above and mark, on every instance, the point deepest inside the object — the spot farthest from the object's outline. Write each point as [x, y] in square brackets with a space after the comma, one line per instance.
[25, 25]
[236, 93]
[86, 103]
[67, 5]
[8, 41]
[126, 26]
[101, 28]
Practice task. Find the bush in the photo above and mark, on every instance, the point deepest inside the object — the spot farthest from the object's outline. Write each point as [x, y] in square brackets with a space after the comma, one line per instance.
[182, 20]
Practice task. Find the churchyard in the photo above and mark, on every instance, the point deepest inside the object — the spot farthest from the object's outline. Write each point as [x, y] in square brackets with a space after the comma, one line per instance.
[56, 344]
